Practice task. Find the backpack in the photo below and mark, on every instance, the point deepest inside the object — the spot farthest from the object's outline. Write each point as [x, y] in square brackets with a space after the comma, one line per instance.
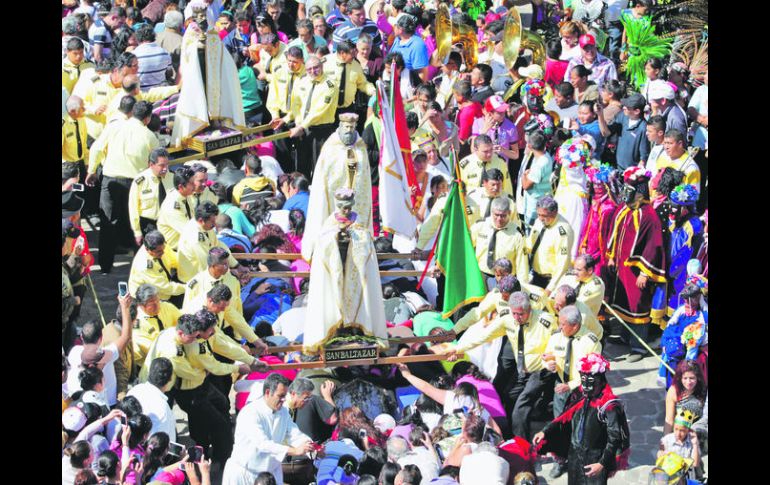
[621, 457]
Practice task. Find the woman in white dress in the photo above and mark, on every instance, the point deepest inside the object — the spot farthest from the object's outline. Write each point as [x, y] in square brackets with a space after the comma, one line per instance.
[572, 193]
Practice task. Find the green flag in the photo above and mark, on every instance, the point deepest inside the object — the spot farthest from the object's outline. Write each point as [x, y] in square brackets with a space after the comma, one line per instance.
[456, 258]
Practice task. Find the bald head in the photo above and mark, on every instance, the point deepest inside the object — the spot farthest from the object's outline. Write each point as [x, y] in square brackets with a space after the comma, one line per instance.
[131, 84]
[74, 106]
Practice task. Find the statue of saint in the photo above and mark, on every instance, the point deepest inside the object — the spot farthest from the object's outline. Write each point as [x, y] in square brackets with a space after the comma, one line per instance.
[345, 293]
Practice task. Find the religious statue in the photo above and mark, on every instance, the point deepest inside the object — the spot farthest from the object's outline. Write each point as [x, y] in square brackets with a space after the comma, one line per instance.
[345, 293]
[342, 163]
[211, 92]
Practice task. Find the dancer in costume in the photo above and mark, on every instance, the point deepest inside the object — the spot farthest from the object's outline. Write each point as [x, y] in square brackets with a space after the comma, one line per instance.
[603, 205]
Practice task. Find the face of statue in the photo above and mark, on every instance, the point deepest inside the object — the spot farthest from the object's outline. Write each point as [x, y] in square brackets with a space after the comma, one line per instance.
[200, 19]
[344, 209]
[347, 132]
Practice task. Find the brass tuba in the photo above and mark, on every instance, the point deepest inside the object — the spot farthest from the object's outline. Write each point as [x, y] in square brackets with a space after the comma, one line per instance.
[516, 38]
[448, 35]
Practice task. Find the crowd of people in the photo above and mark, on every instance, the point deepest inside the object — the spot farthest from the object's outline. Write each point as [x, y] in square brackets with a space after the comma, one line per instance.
[584, 176]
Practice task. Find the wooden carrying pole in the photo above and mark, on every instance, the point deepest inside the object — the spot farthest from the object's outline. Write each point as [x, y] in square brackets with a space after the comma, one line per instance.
[320, 364]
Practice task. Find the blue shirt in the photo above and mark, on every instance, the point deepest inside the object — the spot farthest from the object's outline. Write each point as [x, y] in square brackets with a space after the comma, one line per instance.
[593, 129]
[414, 51]
[299, 201]
[633, 144]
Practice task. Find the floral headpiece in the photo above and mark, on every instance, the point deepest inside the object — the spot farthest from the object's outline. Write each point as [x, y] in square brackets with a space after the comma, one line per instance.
[684, 194]
[600, 174]
[594, 363]
[574, 152]
[699, 281]
[636, 175]
[545, 122]
[534, 87]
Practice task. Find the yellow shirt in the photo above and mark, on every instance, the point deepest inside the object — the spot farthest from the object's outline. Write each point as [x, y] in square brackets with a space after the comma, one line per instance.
[206, 196]
[152, 95]
[430, 225]
[552, 257]
[99, 91]
[73, 130]
[313, 102]
[274, 62]
[201, 354]
[146, 269]
[143, 197]
[479, 204]
[147, 328]
[278, 94]
[71, 72]
[684, 163]
[583, 343]
[509, 244]
[252, 184]
[193, 252]
[591, 292]
[173, 216]
[355, 79]
[168, 345]
[125, 147]
[537, 331]
[195, 299]
[486, 309]
[588, 319]
[471, 168]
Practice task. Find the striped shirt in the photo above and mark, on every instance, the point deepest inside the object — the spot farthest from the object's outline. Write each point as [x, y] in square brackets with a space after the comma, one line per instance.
[98, 33]
[153, 62]
[348, 31]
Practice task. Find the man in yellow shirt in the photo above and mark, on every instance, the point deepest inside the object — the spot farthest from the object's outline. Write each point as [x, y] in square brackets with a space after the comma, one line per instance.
[218, 272]
[155, 265]
[152, 317]
[564, 296]
[74, 136]
[195, 241]
[201, 189]
[73, 64]
[346, 71]
[254, 184]
[313, 108]
[98, 94]
[483, 158]
[271, 57]
[589, 287]
[127, 149]
[147, 194]
[176, 210]
[130, 84]
[282, 83]
[493, 300]
[549, 245]
[499, 237]
[528, 332]
[676, 156]
[479, 201]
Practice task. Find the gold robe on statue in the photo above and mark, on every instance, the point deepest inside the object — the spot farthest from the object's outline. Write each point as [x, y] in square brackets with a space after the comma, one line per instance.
[349, 296]
[332, 173]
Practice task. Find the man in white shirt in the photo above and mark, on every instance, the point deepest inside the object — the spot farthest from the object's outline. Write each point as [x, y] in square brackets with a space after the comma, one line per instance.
[152, 397]
[421, 454]
[262, 428]
[92, 353]
[484, 462]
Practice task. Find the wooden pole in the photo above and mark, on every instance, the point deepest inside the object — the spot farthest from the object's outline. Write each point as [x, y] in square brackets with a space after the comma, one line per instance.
[404, 359]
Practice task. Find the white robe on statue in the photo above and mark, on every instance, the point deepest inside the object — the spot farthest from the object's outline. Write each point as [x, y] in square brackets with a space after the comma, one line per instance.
[349, 296]
[572, 197]
[220, 99]
[331, 173]
[260, 443]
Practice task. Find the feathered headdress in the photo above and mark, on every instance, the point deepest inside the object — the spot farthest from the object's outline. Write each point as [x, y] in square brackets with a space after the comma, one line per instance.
[694, 54]
[574, 152]
[473, 8]
[643, 45]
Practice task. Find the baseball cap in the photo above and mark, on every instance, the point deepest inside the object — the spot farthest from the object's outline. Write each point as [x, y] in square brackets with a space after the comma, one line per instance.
[586, 39]
[385, 423]
[660, 89]
[74, 419]
[71, 204]
[496, 103]
[635, 101]
[533, 71]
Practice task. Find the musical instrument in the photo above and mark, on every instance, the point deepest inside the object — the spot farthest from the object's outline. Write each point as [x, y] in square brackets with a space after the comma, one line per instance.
[515, 38]
[449, 35]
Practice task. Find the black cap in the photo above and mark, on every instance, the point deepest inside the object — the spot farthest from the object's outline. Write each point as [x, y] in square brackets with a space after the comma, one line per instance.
[71, 204]
[635, 101]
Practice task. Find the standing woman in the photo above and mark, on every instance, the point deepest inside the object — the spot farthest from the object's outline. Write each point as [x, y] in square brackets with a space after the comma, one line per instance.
[570, 33]
[652, 69]
[585, 90]
[687, 392]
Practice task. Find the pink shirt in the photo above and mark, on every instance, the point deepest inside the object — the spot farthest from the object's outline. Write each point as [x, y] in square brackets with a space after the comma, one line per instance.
[488, 397]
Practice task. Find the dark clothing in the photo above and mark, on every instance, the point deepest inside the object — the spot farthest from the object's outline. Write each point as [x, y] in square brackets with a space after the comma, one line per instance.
[311, 418]
[676, 119]
[208, 416]
[373, 151]
[309, 147]
[633, 145]
[524, 395]
[114, 229]
[482, 94]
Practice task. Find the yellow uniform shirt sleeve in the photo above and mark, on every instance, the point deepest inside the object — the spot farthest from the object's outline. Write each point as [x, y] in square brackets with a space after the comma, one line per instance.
[475, 314]
[98, 150]
[592, 294]
[158, 93]
[227, 347]
[239, 324]
[134, 205]
[586, 344]
[323, 104]
[208, 362]
[190, 254]
[496, 329]
[562, 258]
